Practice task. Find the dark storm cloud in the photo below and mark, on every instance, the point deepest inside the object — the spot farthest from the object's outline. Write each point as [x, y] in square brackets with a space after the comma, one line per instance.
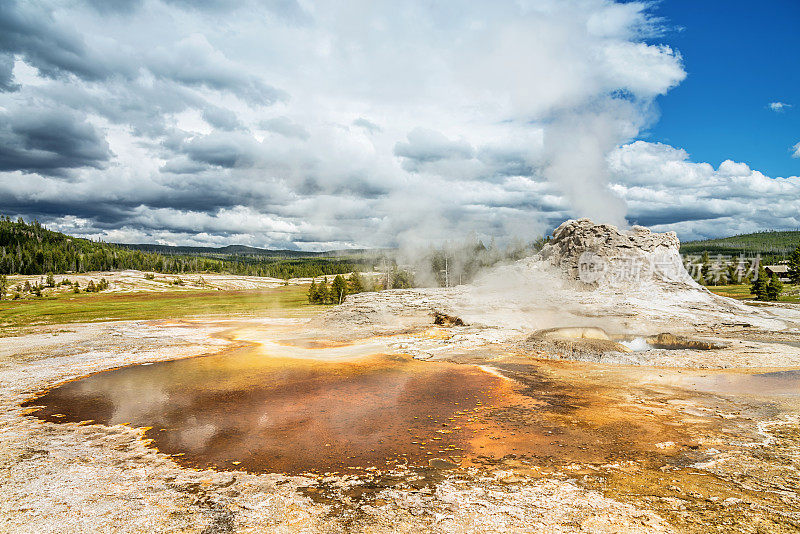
[222, 155]
[221, 118]
[115, 6]
[506, 162]
[103, 214]
[309, 186]
[194, 62]
[529, 203]
[196, 195]
[142, 108]
[199, 193]
[7, 73]
[225, 150]
[222, 149]
[287, 9]
[28, 30]
[48, 142]
[360, 188]
[284, 126]
[427, 146]
[673, 214]
[183, 165]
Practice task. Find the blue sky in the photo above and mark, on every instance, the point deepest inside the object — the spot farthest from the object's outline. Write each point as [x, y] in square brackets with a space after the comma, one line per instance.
[739, 56]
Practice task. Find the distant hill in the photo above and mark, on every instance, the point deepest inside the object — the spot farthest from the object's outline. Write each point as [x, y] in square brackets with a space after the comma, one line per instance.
[30, 248]
[230, 250]
[776, 243]
[241, 250]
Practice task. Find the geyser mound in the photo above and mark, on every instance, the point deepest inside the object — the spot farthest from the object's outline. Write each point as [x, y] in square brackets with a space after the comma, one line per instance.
[588, 275]
[601, 255]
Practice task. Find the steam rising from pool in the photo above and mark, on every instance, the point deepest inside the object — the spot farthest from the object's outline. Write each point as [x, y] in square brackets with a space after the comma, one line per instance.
[637, 344]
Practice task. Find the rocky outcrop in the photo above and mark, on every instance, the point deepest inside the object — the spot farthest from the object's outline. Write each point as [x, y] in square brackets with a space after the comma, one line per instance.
[666, 340]
[584, 349]
[443, 319]
[574, 332]
[573, 343]
[596, 254]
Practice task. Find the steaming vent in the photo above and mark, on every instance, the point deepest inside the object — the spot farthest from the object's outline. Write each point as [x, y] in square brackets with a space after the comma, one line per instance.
[592, 343]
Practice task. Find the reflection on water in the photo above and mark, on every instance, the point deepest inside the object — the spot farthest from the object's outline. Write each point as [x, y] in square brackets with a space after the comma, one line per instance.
[245, 409]
[777, 383]
[275, 414]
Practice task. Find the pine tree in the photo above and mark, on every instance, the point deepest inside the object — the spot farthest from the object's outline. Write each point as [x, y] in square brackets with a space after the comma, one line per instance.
[705, 269]
[51, 281]
[402, 279]
[794, 266]
[90, 288]
[322, 291]
[759, 285]
[356, 285]
[731, 274]
[312, 292]
[338, 289]
[3, 286]
[774, 288]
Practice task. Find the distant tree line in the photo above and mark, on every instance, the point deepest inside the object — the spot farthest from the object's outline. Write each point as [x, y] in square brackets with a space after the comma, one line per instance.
[771, 242]
[32, 249]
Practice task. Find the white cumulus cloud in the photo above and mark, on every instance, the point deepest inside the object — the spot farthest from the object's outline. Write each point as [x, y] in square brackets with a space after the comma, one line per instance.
[665, 190]
[779, 106]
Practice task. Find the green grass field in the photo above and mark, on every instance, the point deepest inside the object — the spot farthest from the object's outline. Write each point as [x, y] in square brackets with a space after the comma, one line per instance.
[92, 307]
[287, 301]
[742, 291]
[738, 291]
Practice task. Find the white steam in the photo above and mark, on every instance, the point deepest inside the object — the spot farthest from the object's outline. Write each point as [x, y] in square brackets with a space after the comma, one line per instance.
[576, 148]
